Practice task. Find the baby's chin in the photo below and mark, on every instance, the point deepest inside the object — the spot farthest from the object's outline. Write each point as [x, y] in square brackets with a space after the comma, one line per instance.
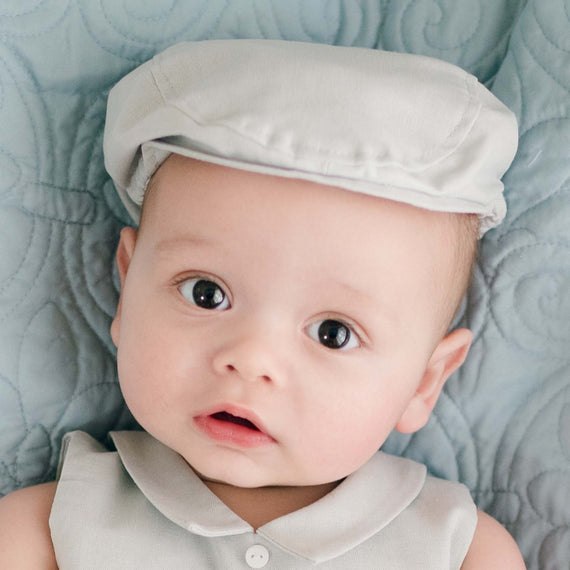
[225, 480]
[243, 481]
[255, 481]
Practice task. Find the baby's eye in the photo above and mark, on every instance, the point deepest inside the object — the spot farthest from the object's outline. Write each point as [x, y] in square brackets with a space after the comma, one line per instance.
[333, 334]
[205, 294]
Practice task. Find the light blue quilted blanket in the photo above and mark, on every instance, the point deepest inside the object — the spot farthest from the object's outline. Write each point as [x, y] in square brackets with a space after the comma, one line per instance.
[503, 424]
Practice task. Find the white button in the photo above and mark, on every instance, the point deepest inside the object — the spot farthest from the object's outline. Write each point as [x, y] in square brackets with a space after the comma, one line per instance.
[257, 556]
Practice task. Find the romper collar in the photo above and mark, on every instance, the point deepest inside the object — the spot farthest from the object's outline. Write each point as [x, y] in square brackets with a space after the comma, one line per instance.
[364, 503]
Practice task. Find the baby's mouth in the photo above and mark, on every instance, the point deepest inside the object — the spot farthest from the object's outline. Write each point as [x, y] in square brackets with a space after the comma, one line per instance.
[227, 417]
[233, 425]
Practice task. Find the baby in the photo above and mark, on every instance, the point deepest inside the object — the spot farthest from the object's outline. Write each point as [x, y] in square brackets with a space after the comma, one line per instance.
[308, 218]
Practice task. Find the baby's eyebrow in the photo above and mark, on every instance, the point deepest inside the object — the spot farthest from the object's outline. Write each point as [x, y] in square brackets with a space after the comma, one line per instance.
[373, 304]
[354, 291]
[168, 245]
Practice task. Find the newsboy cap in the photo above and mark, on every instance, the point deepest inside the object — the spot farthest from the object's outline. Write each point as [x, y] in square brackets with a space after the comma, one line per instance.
[400, 126]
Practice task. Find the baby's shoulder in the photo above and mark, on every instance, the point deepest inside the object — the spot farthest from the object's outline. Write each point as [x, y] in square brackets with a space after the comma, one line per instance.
[25, 540]
[492, 548]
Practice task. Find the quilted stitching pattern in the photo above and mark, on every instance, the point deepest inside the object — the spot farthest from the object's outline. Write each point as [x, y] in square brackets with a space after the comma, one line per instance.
[503, 423]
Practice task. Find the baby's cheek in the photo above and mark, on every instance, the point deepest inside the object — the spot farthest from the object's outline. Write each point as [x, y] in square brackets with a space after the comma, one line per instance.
[364, 444]
[139, 385]
[346, 443]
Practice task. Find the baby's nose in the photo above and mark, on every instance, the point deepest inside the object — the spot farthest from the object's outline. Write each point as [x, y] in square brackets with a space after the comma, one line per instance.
[250, 357]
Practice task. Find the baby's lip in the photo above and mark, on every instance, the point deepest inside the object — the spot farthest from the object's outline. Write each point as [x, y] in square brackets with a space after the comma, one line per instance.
[236, 414]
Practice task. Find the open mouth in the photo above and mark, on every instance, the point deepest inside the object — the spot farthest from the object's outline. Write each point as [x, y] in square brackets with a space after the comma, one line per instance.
[233, 429]
[227, 417]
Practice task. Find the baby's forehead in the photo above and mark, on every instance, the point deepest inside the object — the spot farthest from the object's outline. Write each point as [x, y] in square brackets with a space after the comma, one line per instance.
[199, 178]
[211, 197]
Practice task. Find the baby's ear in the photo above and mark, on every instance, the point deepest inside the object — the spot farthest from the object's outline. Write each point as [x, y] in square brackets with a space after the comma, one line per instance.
[448, 356]
[125, 251]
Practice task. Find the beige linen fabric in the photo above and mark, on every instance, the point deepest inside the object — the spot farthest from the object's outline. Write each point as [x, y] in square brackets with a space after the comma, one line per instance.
[142, 507]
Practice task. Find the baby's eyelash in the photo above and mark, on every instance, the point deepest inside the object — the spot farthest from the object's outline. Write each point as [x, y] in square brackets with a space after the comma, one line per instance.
[196, 275]
[179, 280]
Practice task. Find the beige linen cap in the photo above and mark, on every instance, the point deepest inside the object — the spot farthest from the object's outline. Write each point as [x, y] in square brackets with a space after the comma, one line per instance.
[399, 126]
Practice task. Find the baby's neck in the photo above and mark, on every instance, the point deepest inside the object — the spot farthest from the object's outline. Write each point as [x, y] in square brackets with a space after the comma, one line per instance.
[261, 505]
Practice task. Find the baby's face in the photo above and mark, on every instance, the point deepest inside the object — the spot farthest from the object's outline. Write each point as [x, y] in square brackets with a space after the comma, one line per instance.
[274, 331]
